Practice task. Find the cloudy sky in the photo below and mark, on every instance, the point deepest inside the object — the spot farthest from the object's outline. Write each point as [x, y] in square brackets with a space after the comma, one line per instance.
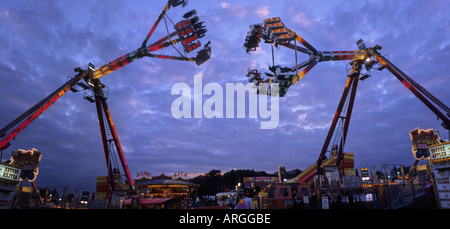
[42, 42]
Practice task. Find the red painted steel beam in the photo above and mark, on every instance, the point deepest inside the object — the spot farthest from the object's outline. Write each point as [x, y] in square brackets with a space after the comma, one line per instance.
[348, 115]
[117, 142]
[403, 79]
[334, 122]
[40, 108]
[144, 43]
[103, 135]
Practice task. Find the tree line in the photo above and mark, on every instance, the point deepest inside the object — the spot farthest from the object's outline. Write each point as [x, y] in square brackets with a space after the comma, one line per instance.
[214, 181]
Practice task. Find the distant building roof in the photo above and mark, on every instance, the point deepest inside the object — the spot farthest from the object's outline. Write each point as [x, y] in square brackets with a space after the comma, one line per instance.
[168, 182]
[161, 177]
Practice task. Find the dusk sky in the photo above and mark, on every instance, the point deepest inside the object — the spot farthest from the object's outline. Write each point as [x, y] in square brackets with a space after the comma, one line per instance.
[42, 42]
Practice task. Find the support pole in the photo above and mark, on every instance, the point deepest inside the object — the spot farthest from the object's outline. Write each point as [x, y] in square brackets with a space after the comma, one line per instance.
[101, 122]
[107, 126]
[334, 122]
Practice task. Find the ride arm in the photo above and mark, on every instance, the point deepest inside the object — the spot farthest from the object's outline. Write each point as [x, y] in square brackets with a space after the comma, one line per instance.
[417, 90]
[187, 30]
[182, 58]
[202, 56]
[274, 31]
[130, 57]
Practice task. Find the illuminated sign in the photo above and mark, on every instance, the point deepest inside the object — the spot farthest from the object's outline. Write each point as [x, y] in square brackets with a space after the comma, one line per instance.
[180, 174]
[440, 151]
[28, 160]
[9, 172]
[442, 179]
[143, 174]
[350, 171]
[421, 140]
[9, 177]
[440, 155]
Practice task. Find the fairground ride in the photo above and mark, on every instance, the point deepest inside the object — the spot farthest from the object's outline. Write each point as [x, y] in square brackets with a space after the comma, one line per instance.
[274, 32]
[187, 32]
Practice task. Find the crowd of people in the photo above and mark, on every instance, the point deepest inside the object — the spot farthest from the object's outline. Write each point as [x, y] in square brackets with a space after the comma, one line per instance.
[243, 202]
